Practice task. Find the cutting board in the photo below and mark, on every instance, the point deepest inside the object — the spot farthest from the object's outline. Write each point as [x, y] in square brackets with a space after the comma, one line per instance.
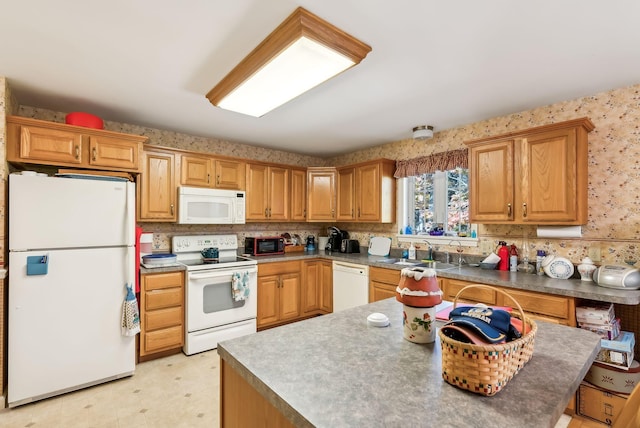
[379, 246]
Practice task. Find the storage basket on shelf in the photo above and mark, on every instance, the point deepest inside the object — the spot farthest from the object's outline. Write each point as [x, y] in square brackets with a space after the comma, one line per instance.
[486, 369]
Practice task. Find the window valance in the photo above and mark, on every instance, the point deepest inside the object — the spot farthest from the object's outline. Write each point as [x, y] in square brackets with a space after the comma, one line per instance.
[443, 161]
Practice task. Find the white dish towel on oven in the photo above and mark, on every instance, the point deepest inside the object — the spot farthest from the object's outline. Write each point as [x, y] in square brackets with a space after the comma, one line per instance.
[240, 285]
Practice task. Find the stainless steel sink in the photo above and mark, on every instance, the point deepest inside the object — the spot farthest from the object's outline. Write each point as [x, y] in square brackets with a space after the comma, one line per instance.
[406, 263]
[433, 265]
[437, 265]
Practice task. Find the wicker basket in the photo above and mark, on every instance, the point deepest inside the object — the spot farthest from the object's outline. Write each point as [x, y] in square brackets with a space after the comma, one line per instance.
[486, 369]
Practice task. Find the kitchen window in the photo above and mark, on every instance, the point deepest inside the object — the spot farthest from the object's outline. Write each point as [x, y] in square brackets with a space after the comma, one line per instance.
[438, 203]
[433, 204]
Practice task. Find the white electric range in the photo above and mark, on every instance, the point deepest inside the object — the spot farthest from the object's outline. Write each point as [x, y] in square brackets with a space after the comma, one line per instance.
[212, 314]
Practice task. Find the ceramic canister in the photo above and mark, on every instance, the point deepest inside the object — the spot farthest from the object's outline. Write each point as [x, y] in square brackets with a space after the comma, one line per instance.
[418, 324]
[418, 287]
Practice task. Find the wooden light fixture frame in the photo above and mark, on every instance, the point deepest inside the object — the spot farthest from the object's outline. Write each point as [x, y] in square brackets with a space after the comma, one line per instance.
[300, 23]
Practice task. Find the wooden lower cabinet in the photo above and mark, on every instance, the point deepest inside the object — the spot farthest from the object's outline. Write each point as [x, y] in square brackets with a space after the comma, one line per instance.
[383, 283]
[161, 314]
[538, 306]
[241, 405]
[476, 295]
[279, 287]
[317, 287]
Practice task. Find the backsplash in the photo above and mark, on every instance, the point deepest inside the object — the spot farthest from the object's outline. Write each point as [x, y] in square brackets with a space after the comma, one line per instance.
[614, 207]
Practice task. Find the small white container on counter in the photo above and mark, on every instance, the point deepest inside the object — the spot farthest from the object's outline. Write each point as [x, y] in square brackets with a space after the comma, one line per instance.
[586, 269]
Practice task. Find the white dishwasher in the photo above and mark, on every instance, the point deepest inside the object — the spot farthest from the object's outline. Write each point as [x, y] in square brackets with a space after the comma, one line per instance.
[350, 285]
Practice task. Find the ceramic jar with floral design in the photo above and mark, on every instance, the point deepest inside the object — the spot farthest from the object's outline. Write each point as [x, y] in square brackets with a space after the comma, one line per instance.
[586, 269]
[419, 293]
[418, 324]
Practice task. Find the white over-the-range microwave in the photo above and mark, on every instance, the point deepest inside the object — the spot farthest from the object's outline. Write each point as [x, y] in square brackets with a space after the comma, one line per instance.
[198, 205]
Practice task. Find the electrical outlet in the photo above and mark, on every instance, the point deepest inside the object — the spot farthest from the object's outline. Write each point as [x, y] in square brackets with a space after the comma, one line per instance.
[594, 254]
[485, 247]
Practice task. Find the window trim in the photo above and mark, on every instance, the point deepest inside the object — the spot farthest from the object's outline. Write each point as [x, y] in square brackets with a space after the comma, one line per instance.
[403, 214]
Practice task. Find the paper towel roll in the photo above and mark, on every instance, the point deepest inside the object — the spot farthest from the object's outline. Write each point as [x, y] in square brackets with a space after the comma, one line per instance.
[559, 231]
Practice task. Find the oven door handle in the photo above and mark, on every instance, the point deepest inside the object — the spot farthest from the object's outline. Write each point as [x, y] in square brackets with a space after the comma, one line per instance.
[219, 273]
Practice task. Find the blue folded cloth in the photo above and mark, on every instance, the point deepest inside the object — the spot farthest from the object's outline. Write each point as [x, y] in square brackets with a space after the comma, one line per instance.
[240, 286]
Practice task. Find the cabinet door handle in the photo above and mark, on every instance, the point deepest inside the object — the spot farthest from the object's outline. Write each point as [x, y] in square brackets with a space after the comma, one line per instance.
[94, 153]
[269, 212]
[524, 209]
[304, 213]
[208, 178]
[77, 152]
[218, 180]
[509, 210]
[266, 212]
[333, 213]
[172, 209]
[358, 212]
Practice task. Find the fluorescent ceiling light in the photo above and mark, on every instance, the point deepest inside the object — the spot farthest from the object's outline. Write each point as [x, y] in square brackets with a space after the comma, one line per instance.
[301, 53]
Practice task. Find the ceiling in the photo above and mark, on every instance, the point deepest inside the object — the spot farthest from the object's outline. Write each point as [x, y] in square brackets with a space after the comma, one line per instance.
[433, 62]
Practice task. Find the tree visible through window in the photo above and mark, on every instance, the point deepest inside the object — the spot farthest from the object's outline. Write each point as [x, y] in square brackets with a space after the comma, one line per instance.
[439, 202]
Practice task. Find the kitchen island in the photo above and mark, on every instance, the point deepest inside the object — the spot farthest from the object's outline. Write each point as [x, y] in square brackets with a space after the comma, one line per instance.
[335, 370]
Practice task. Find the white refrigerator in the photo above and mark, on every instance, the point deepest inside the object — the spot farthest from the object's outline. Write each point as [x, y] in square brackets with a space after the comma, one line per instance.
[71, 254]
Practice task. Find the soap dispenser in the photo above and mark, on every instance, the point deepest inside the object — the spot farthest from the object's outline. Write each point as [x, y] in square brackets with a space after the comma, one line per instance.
[412, 252]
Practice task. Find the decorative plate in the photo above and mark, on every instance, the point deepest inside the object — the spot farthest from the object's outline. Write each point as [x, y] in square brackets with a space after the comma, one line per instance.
[559, 268]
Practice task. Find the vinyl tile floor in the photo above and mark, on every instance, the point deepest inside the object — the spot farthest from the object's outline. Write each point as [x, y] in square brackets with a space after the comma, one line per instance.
[172, 392]
[175, 391]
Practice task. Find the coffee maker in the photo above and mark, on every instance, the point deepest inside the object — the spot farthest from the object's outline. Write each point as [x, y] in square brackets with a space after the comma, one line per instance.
[335, 239]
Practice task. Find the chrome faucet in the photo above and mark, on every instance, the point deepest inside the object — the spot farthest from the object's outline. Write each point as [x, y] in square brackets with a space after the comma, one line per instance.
[429, 250]
[459, 250]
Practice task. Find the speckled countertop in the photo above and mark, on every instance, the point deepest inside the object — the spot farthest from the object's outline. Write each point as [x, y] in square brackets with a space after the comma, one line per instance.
[335, 370]
[145, 271]
[523, 281]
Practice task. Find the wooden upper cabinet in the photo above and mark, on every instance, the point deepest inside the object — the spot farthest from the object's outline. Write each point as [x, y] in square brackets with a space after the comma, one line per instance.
[207, 171]
[321, 194]
[552, 187]
[196, 171]
[346, 198]
[230, 174]
[279, 197]
[536, 176]
[113, 152]
[491, 181]
[267, 192]
[375, 192]
[257, 192]
[298, 195]
[51, 143]
[157, 190]
[366, 192]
